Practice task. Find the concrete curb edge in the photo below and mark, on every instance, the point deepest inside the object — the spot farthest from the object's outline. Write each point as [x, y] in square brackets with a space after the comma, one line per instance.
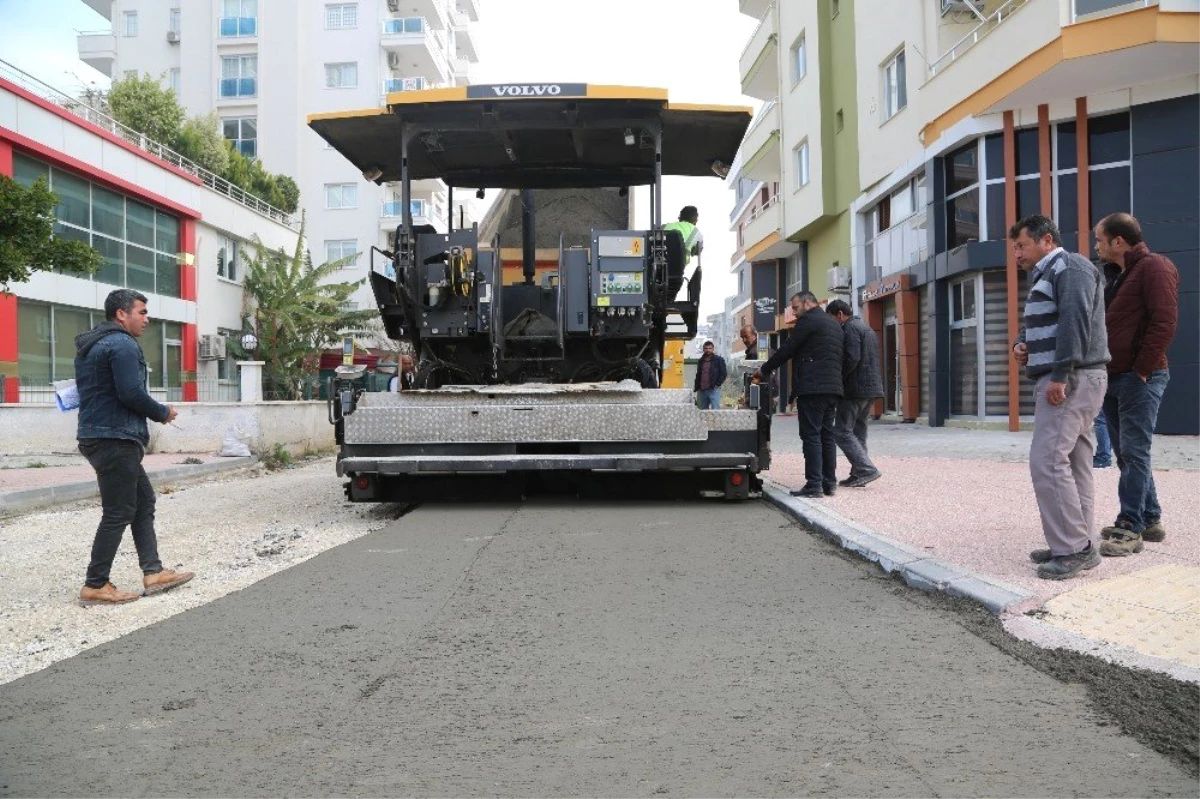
[917, 568]
[14, 502]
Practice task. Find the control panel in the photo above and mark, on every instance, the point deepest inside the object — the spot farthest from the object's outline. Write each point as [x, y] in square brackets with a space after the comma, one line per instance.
[621, 283]
[618, 279]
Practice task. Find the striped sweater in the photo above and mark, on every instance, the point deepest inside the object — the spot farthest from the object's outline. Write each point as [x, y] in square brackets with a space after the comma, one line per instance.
[1064, 317]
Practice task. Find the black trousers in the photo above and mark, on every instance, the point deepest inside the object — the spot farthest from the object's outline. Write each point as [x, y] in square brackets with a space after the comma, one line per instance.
[816, 414]
[128, 501]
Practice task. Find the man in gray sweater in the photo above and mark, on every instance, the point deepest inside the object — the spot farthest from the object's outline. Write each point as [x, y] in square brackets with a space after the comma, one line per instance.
[1064, 346]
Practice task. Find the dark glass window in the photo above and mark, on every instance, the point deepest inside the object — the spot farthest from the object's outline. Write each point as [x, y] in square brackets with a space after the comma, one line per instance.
[1027, 151]
[962, 219]
[141, 224]
[1068, 208]
[1108, 191]
[964, 371]
[74, 199]
[1108, 139]
[1029, 198]
[166, 267]
[1066, 145]
[139, 269]
[26, 171]
[168, 232]
[108, 212]
[112, 268]
[993, 151]
[962, 169]
[996, 229]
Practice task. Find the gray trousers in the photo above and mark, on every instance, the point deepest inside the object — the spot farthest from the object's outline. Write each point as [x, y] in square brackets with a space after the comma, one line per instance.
[851, 430]
[1060, 460]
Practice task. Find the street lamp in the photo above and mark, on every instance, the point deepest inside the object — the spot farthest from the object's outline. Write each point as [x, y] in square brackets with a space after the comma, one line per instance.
[249, 342]
[251, 369]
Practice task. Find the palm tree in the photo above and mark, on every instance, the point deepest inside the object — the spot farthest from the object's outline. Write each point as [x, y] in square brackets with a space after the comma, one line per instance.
[294, 312]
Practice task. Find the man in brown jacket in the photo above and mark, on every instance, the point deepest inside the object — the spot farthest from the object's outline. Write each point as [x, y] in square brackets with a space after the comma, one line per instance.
[1142, 313]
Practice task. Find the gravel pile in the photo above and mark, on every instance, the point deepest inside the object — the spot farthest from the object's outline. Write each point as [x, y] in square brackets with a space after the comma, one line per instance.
[232, 530]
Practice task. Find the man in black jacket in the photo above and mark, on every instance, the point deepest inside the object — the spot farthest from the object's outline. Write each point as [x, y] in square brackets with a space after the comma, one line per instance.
[710, 376]
[815, 348]
[862, 384]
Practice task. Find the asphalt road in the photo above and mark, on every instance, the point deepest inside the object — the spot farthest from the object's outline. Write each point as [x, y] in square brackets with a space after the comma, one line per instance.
[680, 649]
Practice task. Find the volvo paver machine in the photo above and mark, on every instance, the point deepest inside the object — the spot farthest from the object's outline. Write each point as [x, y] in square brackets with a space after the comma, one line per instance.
[551, 374]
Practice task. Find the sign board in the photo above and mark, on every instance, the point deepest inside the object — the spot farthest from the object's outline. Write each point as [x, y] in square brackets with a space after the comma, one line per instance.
[508, 91]
[889, 285]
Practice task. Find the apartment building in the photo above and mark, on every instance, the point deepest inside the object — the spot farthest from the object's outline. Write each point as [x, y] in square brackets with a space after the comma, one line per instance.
[803, 144]
[265, 65]
[162, 225]
[978, 113]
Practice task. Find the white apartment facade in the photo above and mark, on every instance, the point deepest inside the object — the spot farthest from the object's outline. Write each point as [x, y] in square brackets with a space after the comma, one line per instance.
[265, 65]
[163, 227]
[1001, 109]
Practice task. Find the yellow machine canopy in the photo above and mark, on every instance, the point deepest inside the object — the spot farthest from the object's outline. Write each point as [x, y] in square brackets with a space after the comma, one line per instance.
[535, 135]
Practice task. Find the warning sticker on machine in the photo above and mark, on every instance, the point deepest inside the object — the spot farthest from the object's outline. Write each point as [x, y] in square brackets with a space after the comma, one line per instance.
[621, 246]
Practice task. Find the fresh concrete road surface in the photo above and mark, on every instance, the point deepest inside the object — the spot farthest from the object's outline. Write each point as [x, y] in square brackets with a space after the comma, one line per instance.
[553, 648]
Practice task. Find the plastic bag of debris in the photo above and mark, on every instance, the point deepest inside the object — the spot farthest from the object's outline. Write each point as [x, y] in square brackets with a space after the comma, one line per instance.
[235, 444]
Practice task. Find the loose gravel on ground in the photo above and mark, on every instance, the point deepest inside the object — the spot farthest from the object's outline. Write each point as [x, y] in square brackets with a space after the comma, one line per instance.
[232, 530]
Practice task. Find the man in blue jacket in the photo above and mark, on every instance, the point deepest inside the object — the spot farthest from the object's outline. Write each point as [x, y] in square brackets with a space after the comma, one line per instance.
[110, 375]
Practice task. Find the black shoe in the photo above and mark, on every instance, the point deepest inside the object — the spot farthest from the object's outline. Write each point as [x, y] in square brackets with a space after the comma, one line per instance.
[1041, 556]
[829, 489]
[807, 491]
[1062, 567]
[859, 482]
[847, 481]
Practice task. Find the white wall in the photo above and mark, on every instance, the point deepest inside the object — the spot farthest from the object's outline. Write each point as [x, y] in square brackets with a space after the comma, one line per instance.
[800, 117]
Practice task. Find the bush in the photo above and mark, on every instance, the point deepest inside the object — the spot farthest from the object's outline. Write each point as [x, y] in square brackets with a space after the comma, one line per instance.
[146, 106]
[278, 458]
[201, 141]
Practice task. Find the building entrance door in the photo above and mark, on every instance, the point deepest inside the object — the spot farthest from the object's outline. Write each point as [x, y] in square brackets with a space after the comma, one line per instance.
[892, 399]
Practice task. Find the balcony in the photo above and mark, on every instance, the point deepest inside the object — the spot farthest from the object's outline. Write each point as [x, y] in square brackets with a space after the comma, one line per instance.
[464, 39]
[404, 85]
[98, 49]
[759, 63]
[435, 12]
[423, 213]
[761, 147]
[754, 8]
[415, 49]
[229, 27]
[470, 8]
[763, 233]
[238, 87]
[461, 69]
[901, 246]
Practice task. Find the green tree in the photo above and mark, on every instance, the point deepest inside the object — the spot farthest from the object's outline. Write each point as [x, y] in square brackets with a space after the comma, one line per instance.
[293, 311]
[148, 107]
[27, 241]
[201, 141]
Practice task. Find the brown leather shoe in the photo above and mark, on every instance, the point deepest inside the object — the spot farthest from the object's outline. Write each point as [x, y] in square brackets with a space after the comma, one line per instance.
[108, 595]
[165, 580]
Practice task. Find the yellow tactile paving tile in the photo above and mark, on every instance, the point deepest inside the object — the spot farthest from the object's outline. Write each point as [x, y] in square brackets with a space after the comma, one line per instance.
[1154, 611]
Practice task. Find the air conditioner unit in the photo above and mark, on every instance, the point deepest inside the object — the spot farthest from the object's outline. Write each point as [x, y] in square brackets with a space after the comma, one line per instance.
[393, 5]
[837, 279]
[212, 347]
[173, 37]
[393, 60]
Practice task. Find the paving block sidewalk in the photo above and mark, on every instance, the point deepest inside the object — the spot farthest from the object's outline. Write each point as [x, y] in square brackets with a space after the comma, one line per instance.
[36, 481]
[956, 506]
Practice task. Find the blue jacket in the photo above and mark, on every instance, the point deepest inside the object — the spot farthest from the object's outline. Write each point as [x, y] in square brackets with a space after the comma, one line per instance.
[111, 375]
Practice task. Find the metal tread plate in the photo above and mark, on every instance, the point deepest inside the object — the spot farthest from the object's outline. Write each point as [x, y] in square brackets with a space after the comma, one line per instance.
[411, 465]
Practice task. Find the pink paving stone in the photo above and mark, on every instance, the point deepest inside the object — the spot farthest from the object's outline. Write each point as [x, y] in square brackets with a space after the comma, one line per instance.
[982, 515]
[23, 479]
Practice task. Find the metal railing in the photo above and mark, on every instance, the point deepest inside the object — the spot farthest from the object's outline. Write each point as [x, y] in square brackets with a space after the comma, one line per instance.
[14, 74]
[994, 20]
[768, 17]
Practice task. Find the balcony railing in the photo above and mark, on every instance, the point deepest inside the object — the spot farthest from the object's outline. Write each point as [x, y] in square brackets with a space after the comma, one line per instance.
[80, 109]
[238, 26]
[902, 245]
[239, 87]
[402, 25]
[993, 21]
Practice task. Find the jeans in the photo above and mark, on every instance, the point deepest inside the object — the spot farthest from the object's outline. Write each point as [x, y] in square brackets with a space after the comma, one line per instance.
[816, 414]
[127, 499]
[709, 399]
[1104, 452]
[1131, 407]
[852, 415]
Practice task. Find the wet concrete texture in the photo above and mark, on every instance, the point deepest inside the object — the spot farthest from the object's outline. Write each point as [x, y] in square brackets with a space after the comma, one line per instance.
[688, 649]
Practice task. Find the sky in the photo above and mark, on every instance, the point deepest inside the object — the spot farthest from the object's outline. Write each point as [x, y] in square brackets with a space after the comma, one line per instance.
[690, 48]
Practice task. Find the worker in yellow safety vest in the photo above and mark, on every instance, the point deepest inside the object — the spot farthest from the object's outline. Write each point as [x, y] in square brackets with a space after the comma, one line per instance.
[693, 240]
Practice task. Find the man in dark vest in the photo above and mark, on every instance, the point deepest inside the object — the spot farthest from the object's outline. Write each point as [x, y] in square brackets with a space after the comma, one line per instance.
[862, 384]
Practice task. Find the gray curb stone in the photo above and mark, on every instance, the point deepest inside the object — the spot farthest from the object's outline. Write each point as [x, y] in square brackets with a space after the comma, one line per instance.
[916, 567]
[14, 502]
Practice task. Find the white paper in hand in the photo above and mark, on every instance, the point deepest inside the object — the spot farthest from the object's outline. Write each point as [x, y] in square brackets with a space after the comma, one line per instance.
[66, 395]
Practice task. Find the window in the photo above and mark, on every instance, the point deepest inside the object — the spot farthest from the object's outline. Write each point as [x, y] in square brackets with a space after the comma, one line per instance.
[227, 366]
[349, 306]
[173, 21]
[802, 164]
[238, 18]
[138, 244]
[965, 344]
[173, 79]
[242, 133]
[341, 16]
[406, 25]
[337, 249]
[229, 259]
[962, 196]
[341, 195]
[741, 282]
[895, 89]
[799, 59]
[239, 76]
[341, 76]
[131, 23]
